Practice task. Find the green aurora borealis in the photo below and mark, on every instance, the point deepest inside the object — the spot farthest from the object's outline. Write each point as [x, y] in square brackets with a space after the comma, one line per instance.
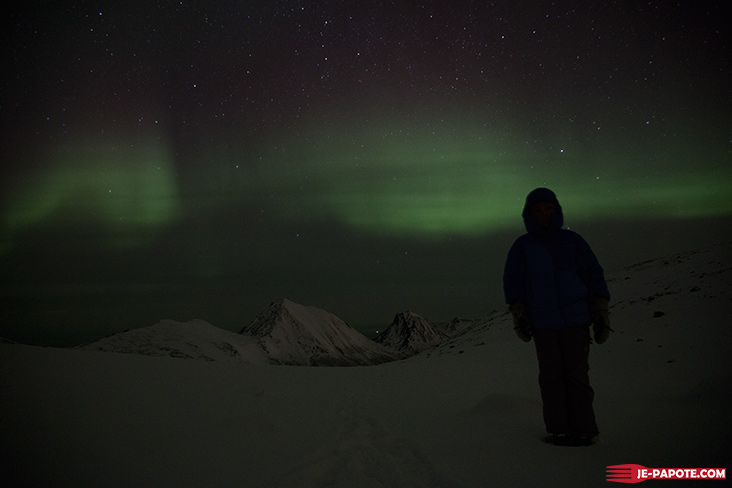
[411, 181]
[119, 191]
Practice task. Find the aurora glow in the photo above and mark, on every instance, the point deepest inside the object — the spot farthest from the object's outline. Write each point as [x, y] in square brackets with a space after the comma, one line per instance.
[201, 159]
[469, 184]
[122, 191]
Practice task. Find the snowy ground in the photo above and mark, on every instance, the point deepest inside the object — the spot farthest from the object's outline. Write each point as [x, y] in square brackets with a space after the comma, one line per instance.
[466, 414]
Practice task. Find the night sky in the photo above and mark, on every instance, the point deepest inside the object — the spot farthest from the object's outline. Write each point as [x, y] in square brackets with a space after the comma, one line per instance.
[201, 159]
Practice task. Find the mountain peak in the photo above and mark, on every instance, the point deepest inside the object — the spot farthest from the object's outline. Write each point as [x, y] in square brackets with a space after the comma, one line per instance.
[410, 333]
[303, 335]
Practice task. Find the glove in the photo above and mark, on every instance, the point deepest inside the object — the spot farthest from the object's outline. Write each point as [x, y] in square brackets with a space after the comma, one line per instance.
[520, 321]
[600, 319]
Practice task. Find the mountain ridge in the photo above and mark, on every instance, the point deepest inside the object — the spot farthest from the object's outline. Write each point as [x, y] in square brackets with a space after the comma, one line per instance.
[304, 335]
[410, 333]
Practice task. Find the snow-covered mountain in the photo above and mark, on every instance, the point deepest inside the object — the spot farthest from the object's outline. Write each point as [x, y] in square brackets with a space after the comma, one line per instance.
[299, 335]
[460, 325]
[410, 334]
[195, 339]
[284, 333]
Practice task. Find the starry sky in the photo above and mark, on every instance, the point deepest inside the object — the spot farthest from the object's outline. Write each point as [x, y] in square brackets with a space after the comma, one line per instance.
[201, 159]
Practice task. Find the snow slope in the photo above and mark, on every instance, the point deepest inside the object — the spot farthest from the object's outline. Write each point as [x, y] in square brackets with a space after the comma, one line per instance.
[195, 339]
[464, 414]
[410, 334]
[294, 334]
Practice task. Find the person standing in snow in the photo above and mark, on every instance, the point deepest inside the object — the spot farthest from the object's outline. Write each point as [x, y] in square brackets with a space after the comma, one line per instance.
[556, 290]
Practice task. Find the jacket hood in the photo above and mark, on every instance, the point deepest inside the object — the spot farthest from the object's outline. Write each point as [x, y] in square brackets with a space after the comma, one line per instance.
[536, 196]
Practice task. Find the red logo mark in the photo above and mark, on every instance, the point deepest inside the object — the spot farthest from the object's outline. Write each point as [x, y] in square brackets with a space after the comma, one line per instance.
[625, 473]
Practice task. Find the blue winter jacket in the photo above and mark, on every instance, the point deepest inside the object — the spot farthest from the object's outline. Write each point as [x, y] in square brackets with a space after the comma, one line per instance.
[553, 272]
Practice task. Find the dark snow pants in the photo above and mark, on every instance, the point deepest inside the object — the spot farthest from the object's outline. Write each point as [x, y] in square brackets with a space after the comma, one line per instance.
[564, 380]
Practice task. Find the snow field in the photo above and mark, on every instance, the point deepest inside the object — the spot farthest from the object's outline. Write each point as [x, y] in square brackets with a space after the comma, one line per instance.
[464, 414]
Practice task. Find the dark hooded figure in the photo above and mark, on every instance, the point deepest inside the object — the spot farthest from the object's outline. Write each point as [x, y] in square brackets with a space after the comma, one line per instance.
[556, 291]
